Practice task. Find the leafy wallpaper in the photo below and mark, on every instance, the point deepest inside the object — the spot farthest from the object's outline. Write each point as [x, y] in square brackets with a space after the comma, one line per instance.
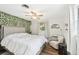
[10, 20]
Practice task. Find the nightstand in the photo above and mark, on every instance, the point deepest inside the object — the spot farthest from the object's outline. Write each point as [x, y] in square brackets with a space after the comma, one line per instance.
[50, 50]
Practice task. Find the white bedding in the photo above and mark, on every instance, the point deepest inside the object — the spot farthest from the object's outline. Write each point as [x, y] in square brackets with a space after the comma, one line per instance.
[23, 43]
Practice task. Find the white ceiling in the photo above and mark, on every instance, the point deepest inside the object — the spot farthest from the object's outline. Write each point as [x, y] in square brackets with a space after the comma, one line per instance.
[50, 11]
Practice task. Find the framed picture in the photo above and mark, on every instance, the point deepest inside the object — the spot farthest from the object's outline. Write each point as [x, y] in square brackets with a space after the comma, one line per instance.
[55, 26]
[42, 26]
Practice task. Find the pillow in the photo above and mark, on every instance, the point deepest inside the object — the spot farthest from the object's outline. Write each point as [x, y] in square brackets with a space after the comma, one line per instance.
[53, 38]
[61, 39]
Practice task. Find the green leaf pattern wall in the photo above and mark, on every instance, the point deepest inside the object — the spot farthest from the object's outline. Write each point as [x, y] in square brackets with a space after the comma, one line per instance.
[10, 20]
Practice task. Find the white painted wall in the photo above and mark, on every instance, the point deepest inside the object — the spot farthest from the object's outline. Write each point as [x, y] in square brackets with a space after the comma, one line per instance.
[64, 33]
[34, 27]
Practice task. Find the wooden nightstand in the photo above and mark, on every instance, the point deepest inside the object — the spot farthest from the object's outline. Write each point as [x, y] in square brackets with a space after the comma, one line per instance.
[50, 50]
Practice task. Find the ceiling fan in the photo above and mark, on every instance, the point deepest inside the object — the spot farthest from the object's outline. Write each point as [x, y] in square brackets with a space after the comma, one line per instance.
[35, 14]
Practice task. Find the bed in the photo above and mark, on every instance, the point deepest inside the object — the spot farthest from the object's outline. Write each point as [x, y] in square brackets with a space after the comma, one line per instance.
[20, 43]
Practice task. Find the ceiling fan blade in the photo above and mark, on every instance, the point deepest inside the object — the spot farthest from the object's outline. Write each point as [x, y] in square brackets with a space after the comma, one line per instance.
[40, 15]
[36, 13]
[24, 5]
[28, 15]
[33, 13]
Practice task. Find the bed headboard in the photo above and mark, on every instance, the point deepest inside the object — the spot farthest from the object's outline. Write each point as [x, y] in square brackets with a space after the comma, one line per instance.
[10, 30]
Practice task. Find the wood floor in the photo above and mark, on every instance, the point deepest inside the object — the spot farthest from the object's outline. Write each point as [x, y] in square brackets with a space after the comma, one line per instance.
[49, 50]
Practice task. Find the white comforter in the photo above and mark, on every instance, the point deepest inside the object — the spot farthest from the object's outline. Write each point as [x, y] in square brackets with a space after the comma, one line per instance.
[23, 43]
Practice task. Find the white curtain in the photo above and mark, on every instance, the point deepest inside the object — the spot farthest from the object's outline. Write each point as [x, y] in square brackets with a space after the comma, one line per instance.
[73, 28]
[75, 45]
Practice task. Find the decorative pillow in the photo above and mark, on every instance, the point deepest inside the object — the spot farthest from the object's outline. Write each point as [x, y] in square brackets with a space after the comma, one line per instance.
[61, 39]
[53, 38]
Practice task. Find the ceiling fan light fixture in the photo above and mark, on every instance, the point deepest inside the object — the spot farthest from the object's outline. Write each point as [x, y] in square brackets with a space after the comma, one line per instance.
[34, 17]
[33, 13]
